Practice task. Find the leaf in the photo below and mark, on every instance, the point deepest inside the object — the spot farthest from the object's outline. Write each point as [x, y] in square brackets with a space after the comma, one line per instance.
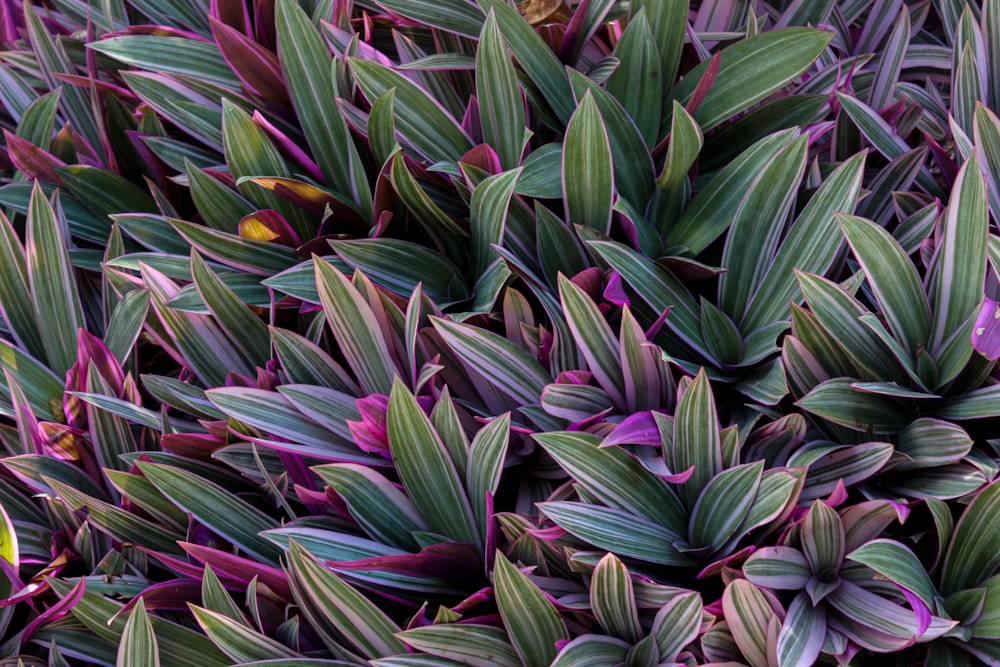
[802, 633]
[677, 624]
[306, 64]
[488, 216]
[753, 234]
[534, 56]
[594, 338]
[696, 442]
[511, 369]
[16, 303]
[237, 640]
[960, 260]
[427, 473]
[172, 55]
[639, 80]
[52, 283]
[748, 613]
[354, 326]
[723, 504]
[839, 402]
[872, 611]
[616, 478]
[811, 245]
[215, 507]
[501, 108]
[401, 265]
[487, 455]
[822, 536]
[748, 74]
[422, 123]
[138, 646]
[612, 599]
[126, 324]
[588, 178]
[460, 17]
[891, 62]
[972, 555]
[898, 564]
[469, 644]
[894, 280]
[624, 533]
[778, 568]
[532, 622]
[241, 253]
[244, 327]
[686, 140]
[344, 610]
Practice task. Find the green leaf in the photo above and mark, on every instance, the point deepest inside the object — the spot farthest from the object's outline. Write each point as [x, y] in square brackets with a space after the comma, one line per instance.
[811, 245]
[588, 178]
[686, 140]
[802, 633]
[839, 402]
[354, 326]
[427, 127]
[748, 613]
[138, 646]
[748, 72]
[173, 55]
[639, 80]
[488, 216]
[893, 278]
[344, 610]
[304, 362]
[696, 442]
[960, 260]
[723, 504]
[668, 23]
[612, 599]
[532, 622]
[460, 17]
[237, 640]
[972, 556]
[126, 324]
[677, 624]
[486, 459]
[401, 265]
[822, 536]
[467, 643]
[215, 507]
[53, 284]
[616, 478]
[594, 338]
[713, 209]
[898, 564]
[778, 568]
[306, 64]
[512, 370]
[16, 304]
[534, 56]
[500, 105]
[592, 651]
[426, 470]
[754, 233]
[243, 254]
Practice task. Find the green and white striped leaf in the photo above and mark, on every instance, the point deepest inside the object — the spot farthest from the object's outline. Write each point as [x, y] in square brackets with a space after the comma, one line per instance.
[612, 599]
[468, 643]
[839, 402]
[802, 633]
[619, 531]
[748, 614]
[16, 304]
[138, 646]
[462, 17]
[639, 80]
[379, 507]
[237, 640]
[344, 610]
[957, 275]
[171, 55]
[354, 326]
[592, 651]
[243, 254]
[894, 280]
[215, 507]
[696, 442]
[488, 216]
[778, 568]
[401, 265]
[616, 478]
[588, 176]
[972, 555]
[53, 285]
[532, 621]
[595, 339]
[500, 105]
[677, 624]
[427, 472]
[822, 537]
[486, 458]
[898, 564]
[245, 329]
[724, 504]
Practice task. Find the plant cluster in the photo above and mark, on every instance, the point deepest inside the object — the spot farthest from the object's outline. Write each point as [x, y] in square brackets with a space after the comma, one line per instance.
[420, 333]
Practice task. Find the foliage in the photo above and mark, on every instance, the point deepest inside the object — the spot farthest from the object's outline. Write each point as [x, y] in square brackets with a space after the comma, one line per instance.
[600, 332]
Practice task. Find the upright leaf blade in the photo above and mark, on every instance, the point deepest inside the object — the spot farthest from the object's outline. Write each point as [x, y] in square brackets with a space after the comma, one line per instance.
[588, 176]
[500, 104]
[532, 621]
[138, 647]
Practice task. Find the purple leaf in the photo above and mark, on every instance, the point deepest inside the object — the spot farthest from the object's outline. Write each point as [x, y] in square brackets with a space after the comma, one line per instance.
[986, 333]
[240, 570]
[637, 429]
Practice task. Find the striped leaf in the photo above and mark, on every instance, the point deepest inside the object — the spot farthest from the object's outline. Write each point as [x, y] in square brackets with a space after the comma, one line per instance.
[427, 472]
[243, 326]
[894, 280]
[778, 568]
[748, 614]
[401, 265]
[306, 64]
[16, 304]
[960, 260]
[677, 624]
[468, 643]
[532, 622]
[343, 609]
[839, 402]
[215, 507]
[618, 531]
[378, 505]
[822, 537]
[501, 108]
[421, 121]
[488, 216]
[487, 454]
[53, 284]
[639, 80]
[899, 565]
[512, 370]
[616, 478]
[237, 640]
[595, 339]
[461, 17]
[588, 177]
[971, 555]
[138, 646]
[724, 504]
[170, 55]
[696, 442]
[891, 63]
[612, 599]
[592, 651]
[354, 326]
[243, 254]
[802, 633]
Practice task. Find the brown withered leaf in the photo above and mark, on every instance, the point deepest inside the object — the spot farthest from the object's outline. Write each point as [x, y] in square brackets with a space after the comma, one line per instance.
[537, 12]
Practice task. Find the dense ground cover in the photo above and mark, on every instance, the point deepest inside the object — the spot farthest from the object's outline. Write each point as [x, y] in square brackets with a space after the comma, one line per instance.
[454, 332]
